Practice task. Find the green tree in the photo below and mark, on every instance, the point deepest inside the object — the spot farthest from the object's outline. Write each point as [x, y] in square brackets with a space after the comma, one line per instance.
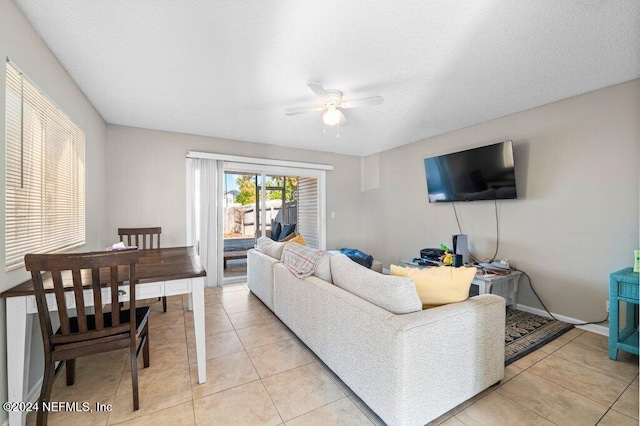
[247, 187]
[291, 186]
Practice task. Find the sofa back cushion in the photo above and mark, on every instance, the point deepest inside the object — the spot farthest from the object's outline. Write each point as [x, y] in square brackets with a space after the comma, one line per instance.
[395, 294]
[323, 271]
[270, 248]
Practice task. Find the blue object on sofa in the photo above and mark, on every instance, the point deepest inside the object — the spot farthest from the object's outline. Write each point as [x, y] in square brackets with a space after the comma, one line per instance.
[358, 256]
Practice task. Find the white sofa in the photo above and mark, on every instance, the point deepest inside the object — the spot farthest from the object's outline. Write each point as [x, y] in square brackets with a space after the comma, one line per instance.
[408, 368]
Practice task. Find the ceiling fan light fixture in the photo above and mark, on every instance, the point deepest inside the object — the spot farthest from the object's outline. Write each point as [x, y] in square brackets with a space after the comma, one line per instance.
[331, 117]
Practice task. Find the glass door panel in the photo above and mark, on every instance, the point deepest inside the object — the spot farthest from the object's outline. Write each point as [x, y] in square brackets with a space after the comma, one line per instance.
[280, 206]
[240, 221]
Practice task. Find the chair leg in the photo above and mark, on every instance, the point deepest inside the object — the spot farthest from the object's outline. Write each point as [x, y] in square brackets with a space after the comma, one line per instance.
[134, 378]
[145, 348]
[45, 392]
[164, 304]
[70, 366]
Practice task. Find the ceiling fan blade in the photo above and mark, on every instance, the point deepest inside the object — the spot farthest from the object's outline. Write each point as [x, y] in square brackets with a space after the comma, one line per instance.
[343, 119]
[374, 100]
[317, 88]
[302, 111]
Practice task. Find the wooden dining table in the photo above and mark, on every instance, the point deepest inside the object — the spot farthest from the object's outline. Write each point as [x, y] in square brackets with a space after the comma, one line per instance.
[160, 272]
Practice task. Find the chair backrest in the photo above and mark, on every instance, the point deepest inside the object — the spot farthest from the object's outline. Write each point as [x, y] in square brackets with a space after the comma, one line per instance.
[91, 269]
[138, 237]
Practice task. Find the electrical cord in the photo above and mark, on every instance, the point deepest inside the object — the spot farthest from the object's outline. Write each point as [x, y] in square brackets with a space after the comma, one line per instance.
[457, 220]
[471, 255]
[495, 205]
[545, 307]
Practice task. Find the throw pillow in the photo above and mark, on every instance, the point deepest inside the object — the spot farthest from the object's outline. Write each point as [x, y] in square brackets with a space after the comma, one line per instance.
[297, 239]
[441, 285]
[286, 230]
[276, 229]
[270, 248]
[358, 256]
[289, 237]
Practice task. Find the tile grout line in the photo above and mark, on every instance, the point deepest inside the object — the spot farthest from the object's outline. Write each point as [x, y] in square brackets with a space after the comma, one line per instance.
[258, 374]
[614, 403]
[527, 408]
[572, 391]
[590, 368]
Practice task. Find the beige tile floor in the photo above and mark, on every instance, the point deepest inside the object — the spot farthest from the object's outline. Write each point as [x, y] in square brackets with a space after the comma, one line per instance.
[258, 372]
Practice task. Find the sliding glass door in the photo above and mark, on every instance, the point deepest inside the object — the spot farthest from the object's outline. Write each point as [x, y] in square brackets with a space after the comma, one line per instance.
[267, 201]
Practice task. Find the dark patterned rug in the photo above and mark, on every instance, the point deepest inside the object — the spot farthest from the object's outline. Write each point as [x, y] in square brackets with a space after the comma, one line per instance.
[525, 332]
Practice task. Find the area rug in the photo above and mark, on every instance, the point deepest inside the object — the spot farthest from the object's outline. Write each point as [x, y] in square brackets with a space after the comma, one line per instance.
[525, 332]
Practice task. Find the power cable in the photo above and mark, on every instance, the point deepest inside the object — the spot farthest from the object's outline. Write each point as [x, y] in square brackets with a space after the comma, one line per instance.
[495, 204]
[545, 307]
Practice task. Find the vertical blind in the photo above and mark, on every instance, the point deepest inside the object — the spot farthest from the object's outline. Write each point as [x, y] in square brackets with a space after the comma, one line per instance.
[45, 189]
[308, 210]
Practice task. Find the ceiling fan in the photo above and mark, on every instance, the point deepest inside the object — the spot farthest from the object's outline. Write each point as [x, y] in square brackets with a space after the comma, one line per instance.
[332, 104]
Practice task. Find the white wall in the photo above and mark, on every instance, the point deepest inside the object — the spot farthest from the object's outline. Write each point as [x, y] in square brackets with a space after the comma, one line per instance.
[577, 168]
[20, 43]
[147, 181]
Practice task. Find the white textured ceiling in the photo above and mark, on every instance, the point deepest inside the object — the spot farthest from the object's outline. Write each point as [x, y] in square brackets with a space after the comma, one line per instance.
[230, 68]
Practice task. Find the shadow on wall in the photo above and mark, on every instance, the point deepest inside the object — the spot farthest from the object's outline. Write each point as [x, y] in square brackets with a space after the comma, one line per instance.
[521, 160]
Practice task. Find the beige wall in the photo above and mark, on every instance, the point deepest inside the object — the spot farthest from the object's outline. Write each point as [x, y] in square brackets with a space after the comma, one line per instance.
[577, 168]
[147, 181]
[20, 43]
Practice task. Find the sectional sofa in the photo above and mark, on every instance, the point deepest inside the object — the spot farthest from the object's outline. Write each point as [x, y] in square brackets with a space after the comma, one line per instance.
[407, 364]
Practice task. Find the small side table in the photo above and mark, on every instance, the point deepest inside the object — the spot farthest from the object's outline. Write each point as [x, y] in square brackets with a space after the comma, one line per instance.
[501, 285]
[623, 287]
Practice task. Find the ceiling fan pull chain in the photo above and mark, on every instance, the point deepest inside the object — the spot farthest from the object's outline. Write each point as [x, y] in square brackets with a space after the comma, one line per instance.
[337, 130]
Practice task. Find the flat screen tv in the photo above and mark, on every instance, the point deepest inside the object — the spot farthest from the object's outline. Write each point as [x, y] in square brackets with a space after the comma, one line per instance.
[485, 173]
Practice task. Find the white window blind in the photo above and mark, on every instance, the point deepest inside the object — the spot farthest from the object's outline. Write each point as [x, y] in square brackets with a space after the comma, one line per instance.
[308, 211]
[45, 192]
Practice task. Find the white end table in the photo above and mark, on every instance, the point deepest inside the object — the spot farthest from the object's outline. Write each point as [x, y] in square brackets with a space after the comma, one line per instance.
[501, 285]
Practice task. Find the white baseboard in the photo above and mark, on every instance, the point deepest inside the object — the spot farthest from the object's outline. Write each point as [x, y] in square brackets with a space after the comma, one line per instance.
[594, 328]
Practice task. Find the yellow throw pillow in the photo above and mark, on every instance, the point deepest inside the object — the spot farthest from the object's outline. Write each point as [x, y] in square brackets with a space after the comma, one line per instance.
[289, 237]
[439, 285]
[298, 239]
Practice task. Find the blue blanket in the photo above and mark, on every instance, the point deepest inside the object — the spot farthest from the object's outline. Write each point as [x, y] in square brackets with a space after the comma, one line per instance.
[358, 256]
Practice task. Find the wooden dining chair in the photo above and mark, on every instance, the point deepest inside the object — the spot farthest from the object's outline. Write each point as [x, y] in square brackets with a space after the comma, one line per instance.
[139, 237]
[87, 334]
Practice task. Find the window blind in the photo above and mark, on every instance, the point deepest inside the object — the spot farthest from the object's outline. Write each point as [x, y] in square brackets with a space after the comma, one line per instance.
[308, 223]
[45, 188]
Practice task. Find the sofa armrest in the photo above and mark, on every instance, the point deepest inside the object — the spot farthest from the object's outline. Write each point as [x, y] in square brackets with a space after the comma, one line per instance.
[466, 338]
[260, 275]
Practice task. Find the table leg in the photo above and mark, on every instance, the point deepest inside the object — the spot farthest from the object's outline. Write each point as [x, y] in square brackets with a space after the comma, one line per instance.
[198, 326]
[614, 317]
[18, 354]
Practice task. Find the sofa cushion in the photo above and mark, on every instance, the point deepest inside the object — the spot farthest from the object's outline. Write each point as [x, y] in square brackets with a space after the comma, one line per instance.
[270, 248]
[439, 285]
[323, 271]
[395, 294]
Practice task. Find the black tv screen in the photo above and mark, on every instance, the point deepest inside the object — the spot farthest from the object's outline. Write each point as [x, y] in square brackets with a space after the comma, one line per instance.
[485, 173]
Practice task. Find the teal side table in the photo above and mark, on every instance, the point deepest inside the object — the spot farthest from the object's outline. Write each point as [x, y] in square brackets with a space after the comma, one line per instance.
[623, 287]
